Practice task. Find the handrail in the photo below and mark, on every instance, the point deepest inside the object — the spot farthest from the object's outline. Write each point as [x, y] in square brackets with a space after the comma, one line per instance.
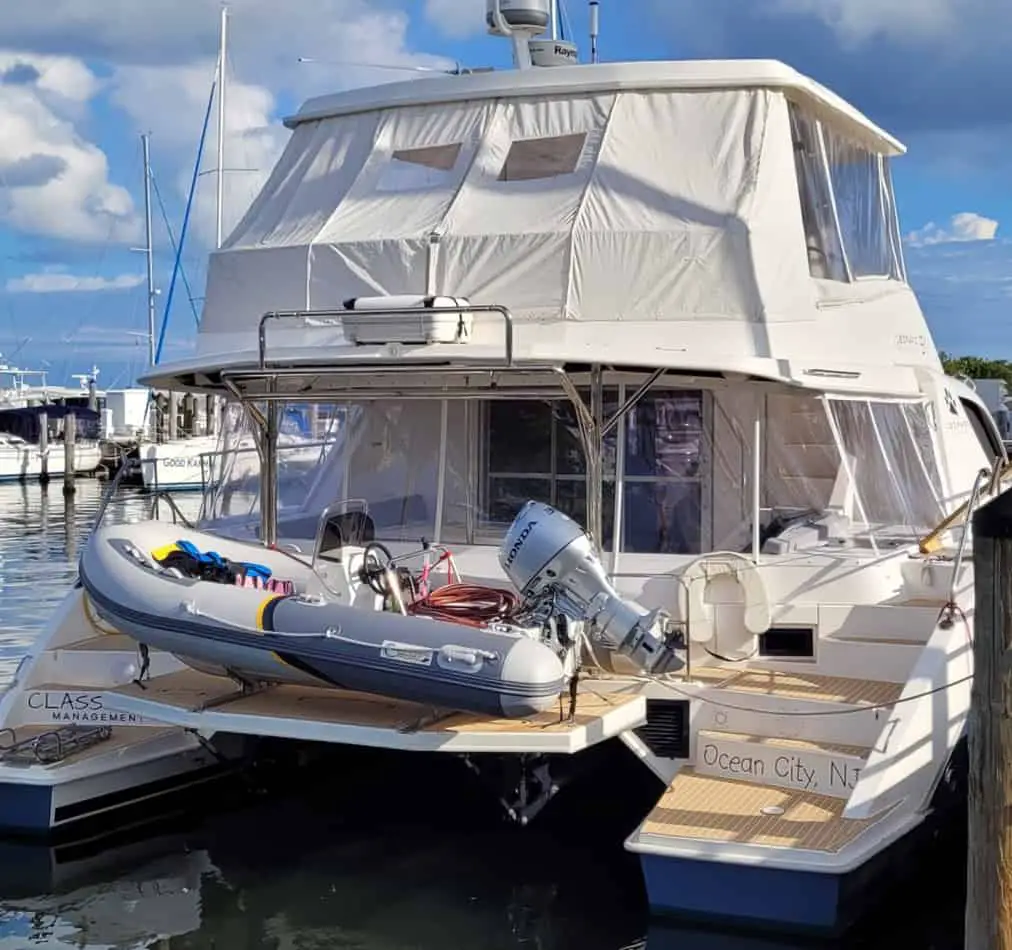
[128, 465]
[961, 549]
[393, 312]
[931, 542]
[163, 494]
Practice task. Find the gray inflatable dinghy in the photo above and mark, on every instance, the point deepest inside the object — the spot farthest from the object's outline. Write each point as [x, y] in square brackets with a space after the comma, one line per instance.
[300, 632]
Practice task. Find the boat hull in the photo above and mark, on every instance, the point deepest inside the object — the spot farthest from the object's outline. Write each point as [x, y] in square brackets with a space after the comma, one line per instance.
[784, 900]
[40, 801]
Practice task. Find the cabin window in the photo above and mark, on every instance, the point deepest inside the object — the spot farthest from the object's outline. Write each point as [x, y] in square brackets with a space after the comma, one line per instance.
[534, 451]
[858, 180]
[530, 159]
[419, 169]
[822, 239]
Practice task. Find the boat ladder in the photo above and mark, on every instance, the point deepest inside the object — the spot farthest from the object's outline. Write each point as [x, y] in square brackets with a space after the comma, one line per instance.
[52, 746]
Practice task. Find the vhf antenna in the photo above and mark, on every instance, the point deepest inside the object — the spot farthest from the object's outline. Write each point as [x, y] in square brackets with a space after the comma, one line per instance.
[595, 25]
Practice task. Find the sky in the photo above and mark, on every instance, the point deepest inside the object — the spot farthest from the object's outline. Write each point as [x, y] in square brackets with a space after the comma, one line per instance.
[80, 84]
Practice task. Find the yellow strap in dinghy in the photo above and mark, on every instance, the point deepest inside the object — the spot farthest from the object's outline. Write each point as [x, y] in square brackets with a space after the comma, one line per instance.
[160, 554]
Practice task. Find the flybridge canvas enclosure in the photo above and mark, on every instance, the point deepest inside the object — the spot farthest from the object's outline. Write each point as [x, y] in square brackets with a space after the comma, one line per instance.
[620, 214]
[558, 208]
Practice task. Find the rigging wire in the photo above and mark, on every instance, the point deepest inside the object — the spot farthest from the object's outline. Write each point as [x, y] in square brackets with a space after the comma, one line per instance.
[175, 249]
[186, 220]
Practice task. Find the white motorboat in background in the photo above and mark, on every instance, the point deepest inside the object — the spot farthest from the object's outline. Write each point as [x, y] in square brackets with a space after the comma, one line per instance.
[669, 301]
[21, 460]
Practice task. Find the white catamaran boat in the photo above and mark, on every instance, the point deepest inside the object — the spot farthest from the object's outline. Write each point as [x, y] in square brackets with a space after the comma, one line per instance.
[632, 348]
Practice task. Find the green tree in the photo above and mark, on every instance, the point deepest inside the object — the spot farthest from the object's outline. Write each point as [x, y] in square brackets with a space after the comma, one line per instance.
[976, 367]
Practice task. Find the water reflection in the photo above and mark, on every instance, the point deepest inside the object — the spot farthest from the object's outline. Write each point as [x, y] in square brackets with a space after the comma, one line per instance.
[41, 532]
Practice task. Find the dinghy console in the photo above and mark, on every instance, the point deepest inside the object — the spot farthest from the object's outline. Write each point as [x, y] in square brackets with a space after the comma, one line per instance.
[551, 562]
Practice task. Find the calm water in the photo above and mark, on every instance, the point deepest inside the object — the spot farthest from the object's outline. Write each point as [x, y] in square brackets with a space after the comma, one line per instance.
[377, 863]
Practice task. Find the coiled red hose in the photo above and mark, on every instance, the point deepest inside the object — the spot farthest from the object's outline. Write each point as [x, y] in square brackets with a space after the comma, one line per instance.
[468, 604]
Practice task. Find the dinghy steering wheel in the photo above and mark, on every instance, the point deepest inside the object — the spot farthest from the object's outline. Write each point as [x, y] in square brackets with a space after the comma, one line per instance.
[376, 559]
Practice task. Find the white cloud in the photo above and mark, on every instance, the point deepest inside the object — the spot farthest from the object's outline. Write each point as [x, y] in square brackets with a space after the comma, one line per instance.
[906, 21]
[456, 18]
[50, 282]
[161, 56]
[963, 227]
[169, 99]
[53, 181]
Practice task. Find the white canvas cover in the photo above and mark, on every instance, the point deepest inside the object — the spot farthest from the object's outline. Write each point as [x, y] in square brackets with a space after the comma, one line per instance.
[624, 215]
[658, 226]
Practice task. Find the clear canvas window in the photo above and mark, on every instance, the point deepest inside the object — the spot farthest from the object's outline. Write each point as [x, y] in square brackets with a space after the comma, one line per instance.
[419, 169]
[891, 465]
[899, 267]
[822, 239]
[530, 159]
[859, 189]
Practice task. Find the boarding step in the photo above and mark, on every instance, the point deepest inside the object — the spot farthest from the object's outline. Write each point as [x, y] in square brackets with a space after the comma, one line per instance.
[700, 808]
[890, 660]
[798, 705]
[196, 700]
[907, 623]
[824, 767]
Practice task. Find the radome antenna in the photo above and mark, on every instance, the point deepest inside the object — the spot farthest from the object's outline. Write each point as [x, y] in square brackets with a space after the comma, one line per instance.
[521, 21]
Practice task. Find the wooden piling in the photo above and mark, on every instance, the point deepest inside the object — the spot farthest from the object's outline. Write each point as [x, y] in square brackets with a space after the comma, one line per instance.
[989, 729]
[173, 415]
[69, 438]
[189, 415]
[211, 409]
[44, 448]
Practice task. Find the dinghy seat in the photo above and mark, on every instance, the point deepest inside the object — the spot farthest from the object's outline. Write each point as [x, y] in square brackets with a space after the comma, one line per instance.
[348, 527]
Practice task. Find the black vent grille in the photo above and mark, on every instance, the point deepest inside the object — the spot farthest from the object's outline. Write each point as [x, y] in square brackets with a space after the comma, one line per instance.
[666, 732]
[788, 643]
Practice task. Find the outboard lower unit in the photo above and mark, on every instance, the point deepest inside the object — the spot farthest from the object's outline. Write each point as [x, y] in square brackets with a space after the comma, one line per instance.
[549, 559]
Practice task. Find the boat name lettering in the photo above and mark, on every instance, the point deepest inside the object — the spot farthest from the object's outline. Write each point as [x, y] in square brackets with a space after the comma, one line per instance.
[60, 706]
[519, 543]
[181, 462]
[796, 771]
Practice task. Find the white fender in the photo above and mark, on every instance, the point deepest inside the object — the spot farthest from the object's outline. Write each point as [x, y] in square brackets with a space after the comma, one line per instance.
[692, 593]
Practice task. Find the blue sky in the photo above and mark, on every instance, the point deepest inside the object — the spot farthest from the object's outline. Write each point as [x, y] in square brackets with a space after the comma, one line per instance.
[80, 84]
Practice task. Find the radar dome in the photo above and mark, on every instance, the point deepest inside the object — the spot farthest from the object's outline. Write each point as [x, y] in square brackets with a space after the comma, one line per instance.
[533, 16]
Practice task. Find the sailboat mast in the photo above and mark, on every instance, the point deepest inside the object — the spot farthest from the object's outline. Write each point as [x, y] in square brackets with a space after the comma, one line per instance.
[149, 250]
[223, 39]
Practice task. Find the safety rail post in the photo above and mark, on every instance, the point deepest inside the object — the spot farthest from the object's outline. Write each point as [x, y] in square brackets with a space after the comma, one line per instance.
[989, 729]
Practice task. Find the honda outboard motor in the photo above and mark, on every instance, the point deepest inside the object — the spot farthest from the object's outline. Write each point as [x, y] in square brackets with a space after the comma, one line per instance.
[548, 555]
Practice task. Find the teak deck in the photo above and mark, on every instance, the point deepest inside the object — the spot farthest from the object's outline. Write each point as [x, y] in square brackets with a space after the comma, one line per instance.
[707, 808]
[193, 699]
[814, 686]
